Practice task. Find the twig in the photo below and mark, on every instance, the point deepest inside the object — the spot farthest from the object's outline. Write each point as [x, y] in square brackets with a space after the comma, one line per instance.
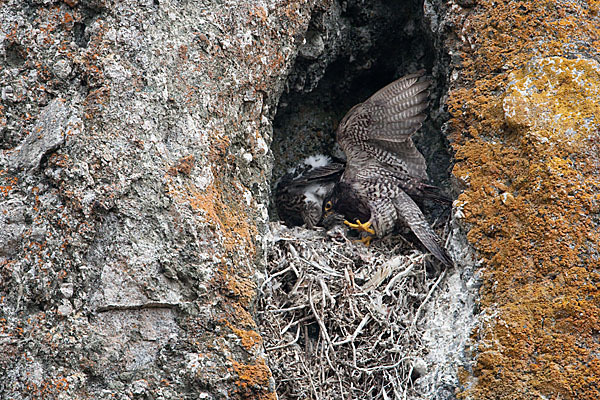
[325, 335]
[282, 310]
[414, 322]
[285, 344]
[271, 277]
[369, 330]
[362, 324]
[322, 268]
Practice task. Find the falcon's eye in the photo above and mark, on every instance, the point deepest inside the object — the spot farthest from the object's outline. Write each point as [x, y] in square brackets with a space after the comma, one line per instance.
[328, 206]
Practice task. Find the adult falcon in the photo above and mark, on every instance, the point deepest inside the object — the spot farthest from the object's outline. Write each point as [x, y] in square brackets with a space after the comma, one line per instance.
[384, 170]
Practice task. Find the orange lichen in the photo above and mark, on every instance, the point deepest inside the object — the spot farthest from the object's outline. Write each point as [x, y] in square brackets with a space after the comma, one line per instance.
[249, 338]
[67, 18]
[184, 166]
[8, 183]
[253, 380]
[237, 287]
[94, 102]
[47, 388]
[238, 315]
[526, 146]
[224, 210]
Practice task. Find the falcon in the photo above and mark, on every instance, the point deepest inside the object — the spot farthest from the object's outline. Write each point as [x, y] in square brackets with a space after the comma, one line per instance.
[384, 171]
[299, 194]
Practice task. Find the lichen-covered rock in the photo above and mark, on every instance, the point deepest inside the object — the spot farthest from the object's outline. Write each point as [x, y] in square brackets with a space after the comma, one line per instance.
[554, 99]
[524, 103]
[133, 189]
[134, 168]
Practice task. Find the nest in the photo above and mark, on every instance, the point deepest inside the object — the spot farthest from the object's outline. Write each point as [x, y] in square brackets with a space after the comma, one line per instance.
[344, 321]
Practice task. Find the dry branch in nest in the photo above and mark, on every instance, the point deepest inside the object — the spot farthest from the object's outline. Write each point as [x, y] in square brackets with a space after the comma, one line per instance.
[340, 320]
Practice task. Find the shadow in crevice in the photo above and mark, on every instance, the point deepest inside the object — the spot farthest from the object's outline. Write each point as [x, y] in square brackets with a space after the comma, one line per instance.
[351, 50]
[15, 55]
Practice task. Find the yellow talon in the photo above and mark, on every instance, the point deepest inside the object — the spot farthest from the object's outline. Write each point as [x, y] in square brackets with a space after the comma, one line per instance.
[366, 240]
[366, 227]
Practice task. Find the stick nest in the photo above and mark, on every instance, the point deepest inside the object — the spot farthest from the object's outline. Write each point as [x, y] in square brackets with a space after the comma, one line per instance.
[341, 320]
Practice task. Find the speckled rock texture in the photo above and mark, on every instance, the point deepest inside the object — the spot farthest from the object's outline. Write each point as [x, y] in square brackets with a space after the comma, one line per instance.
[524, 101]
[134, 172]
[135, 169]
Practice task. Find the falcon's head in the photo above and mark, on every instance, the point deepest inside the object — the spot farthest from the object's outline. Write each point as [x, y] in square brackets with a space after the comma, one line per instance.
[344, 200]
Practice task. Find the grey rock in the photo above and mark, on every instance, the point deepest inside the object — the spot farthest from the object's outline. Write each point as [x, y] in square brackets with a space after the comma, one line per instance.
[134, 173]
[12, 218]
[62, 69]
[47, 135]
[66, 289]
[65, 308]
[313, 46]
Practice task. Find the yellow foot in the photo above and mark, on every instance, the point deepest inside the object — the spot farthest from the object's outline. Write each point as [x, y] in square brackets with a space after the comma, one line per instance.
[365, 240]
[366, 227]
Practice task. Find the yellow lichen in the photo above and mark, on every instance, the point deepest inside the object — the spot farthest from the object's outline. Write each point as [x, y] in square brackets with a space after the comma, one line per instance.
[524, 128]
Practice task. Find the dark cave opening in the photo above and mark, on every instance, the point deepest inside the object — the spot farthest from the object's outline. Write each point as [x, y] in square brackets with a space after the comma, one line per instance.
[351, 50]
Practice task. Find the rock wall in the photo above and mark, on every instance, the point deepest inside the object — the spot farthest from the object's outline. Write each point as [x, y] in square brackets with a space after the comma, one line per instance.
[524, 101]
[134, 182]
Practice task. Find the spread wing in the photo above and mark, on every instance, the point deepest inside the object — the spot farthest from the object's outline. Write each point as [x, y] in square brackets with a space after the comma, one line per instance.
[326, 173]
[379, 130]
[382, 160]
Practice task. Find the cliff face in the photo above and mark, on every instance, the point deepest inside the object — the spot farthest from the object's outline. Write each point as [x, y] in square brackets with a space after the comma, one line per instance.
[524, 100]
[135, 165]
[134, 182]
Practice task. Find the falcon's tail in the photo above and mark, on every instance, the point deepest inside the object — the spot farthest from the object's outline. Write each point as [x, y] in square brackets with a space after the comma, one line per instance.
[409, 211]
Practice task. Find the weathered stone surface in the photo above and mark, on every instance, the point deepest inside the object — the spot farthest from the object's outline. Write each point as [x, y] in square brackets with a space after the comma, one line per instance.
[47, 135]
[524, 100]
[133, 188]
[134, 183]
